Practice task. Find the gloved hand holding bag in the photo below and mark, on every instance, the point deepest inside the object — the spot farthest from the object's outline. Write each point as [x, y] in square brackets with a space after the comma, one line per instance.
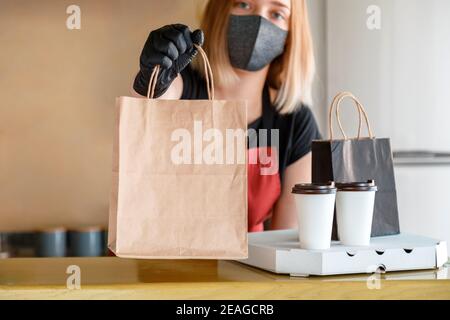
[171, 47]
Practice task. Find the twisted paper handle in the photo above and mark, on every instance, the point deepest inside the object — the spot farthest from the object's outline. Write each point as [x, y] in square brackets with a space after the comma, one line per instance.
[361, 111]
[208, 76]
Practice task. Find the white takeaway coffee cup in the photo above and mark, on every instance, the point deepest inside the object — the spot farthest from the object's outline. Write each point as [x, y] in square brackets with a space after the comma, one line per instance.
[315, 209]
[354, 212]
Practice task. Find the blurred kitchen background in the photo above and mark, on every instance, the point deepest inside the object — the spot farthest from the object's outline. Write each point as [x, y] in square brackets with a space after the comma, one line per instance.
[58, 89]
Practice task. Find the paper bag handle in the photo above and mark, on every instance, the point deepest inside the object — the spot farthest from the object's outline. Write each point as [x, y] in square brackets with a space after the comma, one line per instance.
[208, 76]
[361, 111]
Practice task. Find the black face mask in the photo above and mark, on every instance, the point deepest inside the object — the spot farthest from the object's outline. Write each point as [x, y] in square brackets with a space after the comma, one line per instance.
[254, 42]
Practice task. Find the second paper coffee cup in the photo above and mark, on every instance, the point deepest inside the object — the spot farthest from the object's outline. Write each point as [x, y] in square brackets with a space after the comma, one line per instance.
[315, 209]
[354, 212]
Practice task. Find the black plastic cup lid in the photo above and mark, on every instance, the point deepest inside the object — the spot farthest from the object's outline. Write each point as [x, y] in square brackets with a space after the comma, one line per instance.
[314, 188]
[357, 186]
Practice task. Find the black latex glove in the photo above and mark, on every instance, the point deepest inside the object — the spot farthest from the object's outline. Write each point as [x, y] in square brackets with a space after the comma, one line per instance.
[171, 47]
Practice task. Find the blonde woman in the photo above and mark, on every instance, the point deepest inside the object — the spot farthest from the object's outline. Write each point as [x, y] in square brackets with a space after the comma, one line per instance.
[260, 51]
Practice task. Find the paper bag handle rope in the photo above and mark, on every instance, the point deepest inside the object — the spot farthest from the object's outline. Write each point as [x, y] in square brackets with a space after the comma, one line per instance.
[208, 76]
[361, 111]
[337, 98]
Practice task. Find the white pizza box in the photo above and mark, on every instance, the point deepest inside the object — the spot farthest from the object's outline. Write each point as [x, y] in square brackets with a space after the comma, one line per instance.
[279, 252]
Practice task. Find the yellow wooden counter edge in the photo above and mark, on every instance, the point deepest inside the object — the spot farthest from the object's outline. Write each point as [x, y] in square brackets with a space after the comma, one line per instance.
[294, 289]
[114, 278]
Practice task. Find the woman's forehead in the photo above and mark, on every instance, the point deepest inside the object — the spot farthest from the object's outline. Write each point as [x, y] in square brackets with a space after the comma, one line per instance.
[281, 3]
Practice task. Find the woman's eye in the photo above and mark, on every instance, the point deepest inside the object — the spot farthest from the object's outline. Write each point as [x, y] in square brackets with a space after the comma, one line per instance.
[278, 16]
[243, 5]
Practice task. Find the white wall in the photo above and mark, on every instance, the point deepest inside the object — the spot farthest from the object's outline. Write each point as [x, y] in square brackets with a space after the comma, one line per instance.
[423, 201]
[401, 72]
[317, 17]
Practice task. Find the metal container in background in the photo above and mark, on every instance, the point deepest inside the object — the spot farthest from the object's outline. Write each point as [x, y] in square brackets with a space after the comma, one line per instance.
[4, 246]
[87, 242]
[51, 242]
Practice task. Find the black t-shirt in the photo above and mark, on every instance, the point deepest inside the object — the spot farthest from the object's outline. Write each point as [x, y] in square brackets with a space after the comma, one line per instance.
[296, 131]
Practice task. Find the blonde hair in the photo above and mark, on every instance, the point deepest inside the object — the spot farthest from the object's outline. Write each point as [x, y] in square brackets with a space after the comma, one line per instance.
[291, 74]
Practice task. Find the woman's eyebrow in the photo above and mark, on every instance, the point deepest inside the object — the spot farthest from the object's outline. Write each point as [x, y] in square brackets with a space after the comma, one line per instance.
[280, 4]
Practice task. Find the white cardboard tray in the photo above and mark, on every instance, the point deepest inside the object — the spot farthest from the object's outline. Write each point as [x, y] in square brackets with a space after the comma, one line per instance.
[279, 252]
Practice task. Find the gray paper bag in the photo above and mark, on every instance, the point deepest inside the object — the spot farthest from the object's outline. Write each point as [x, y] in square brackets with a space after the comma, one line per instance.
[360, 159]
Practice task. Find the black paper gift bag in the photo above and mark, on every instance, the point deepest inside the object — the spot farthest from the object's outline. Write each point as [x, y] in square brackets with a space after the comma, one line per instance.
[360, 159]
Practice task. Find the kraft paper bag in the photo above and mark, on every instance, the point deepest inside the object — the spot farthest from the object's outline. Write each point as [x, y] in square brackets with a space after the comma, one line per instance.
[170, 204]
[360, 159]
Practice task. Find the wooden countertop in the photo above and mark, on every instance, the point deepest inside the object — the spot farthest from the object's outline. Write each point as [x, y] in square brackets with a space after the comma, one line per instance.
[115, 278]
